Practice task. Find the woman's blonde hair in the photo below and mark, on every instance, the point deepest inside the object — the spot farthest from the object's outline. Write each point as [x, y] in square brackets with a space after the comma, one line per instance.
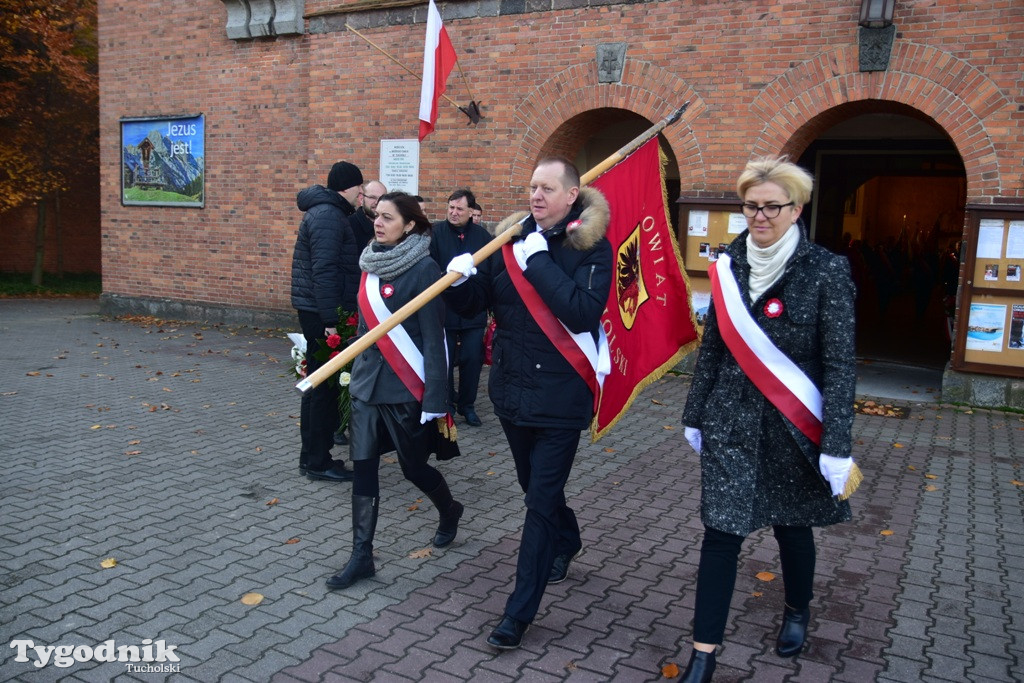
[795, 181]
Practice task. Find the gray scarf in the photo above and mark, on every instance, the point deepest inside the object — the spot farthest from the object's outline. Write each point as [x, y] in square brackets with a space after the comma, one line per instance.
[390, 262]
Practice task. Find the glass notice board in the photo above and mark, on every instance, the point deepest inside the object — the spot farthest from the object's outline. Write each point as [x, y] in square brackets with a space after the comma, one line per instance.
[990, 317]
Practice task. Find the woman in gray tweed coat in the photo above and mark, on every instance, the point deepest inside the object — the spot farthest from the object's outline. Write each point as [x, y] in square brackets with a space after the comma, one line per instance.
[758, 468]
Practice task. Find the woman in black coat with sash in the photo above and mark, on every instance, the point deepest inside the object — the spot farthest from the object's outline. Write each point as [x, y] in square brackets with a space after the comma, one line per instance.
[770, 408]
[399, 385]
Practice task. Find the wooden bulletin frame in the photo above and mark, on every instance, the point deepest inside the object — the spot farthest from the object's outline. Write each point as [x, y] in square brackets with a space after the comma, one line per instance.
[705, 222]
[990, 315]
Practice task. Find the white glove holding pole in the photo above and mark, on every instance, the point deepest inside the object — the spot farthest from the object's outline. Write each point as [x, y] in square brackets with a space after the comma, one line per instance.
[836, 471]
[526, 248]
[426, 417]
[463, 263]
[692, 435]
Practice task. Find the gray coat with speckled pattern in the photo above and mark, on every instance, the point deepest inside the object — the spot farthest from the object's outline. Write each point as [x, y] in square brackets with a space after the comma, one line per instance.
[757, 468]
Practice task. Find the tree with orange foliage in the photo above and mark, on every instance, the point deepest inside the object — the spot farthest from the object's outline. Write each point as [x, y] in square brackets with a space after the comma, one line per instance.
[49, 103]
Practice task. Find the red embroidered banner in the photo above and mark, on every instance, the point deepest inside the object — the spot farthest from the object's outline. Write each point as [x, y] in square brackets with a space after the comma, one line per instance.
[648, 320]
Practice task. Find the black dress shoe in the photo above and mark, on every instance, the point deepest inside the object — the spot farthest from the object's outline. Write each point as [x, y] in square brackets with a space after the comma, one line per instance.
[302, 470]
[508, 634]
[340, 439]
[471, 417]
[560, 567]
[793, 633]
[700, 668]
[332, 474]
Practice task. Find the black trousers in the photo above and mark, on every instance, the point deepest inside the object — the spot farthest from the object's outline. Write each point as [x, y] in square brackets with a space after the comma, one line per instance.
[318, 415]
[465, 349]
[374, 428]
[543, 459]
[716, 576]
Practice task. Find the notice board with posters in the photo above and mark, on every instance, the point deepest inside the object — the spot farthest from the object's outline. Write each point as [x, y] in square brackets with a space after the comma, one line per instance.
[706, 227]
[990, 328]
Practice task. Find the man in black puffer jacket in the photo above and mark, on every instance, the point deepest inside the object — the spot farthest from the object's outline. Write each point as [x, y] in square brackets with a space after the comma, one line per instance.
[325, 275]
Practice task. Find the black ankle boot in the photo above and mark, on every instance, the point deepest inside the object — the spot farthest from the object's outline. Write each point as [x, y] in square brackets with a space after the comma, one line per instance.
[450, 512]
[700, 668]
[793, 632]
[364, 525]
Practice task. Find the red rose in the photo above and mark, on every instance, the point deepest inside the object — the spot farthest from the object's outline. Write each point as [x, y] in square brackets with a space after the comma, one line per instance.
[334, 341]
[333, 353]
[353, 320]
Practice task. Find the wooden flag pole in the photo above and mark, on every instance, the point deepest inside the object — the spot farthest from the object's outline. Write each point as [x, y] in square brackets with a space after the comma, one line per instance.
[395, 60]
[448, 279]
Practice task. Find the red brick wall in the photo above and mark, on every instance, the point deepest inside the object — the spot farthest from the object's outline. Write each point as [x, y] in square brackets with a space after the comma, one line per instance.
[761, 78]
[79, 232]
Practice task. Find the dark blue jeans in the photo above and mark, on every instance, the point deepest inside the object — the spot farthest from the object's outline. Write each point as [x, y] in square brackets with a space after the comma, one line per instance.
[543, 460]
[465, 349]
[716, 576]
[318, 417]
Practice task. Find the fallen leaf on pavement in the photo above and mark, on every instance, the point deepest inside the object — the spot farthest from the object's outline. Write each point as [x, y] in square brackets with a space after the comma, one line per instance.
[764, 576]
[252, 599]
[291, 541]
[273, 501]
[886, 532]
[108, 563]
[670, 670]
[420, 554]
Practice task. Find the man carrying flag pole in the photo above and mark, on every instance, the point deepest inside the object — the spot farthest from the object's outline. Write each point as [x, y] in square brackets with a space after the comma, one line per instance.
[438, 61]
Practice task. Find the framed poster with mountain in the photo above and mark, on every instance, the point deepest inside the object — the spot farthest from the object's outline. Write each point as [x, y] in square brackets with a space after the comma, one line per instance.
[163, 161]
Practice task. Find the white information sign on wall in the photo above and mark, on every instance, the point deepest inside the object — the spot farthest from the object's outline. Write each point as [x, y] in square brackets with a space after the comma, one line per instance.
[400, 165]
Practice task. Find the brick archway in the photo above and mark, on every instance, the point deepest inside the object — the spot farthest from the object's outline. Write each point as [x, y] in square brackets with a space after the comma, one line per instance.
[645, 89]
[950, 92]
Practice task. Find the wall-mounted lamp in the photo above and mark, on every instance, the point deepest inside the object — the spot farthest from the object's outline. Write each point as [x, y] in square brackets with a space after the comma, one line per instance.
[876, 13]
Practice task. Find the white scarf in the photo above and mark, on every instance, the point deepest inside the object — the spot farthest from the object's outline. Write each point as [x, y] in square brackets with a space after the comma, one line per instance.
[768, 263]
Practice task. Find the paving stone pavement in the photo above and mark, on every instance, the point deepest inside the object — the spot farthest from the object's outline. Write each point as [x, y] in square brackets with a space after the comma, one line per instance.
[163, 445]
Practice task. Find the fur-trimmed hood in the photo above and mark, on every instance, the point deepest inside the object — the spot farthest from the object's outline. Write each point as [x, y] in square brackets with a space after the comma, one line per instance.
[591, 209]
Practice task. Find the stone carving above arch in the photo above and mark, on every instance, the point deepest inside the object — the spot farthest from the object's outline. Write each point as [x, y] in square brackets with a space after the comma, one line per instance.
[955, 95]
[644, 89]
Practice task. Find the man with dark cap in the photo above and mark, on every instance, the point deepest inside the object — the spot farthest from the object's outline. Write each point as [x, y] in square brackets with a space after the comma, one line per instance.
[460, 235]
[325, 276]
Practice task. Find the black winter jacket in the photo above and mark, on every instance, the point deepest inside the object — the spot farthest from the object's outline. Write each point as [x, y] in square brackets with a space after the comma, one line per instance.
[447, 242]
[325, 263]
[531, 383]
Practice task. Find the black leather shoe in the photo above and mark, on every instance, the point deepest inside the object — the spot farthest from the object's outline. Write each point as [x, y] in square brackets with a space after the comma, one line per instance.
[302, 470]
[332, 474]
[560, 567]
[471, 417]
[700, 669]
[340, 439]
[793, 632]
[508, 634]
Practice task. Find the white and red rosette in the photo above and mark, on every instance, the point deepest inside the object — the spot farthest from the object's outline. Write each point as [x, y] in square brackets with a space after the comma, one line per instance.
[773, 308]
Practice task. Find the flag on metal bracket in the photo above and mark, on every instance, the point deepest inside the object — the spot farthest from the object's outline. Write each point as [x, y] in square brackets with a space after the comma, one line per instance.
[648, 320]
[438, 61]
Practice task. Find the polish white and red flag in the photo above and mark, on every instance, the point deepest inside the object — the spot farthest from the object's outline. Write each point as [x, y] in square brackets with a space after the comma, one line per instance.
[438, 62]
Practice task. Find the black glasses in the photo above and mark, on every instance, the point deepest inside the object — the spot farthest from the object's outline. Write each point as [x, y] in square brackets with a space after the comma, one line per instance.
[769, 210]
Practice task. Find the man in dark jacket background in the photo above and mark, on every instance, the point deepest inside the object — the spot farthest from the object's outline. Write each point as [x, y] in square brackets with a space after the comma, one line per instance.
[325, 276]
[362, 219]
[458, 234]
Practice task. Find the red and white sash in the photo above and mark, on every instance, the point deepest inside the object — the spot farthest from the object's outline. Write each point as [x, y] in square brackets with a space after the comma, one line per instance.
[397, 347]
[590, 359]
[779, 378]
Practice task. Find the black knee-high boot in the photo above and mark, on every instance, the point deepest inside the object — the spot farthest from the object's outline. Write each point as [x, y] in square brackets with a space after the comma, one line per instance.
[449, 510]
[364, 525]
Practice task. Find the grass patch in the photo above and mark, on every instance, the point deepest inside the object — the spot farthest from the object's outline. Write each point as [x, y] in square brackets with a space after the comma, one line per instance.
[70, 285]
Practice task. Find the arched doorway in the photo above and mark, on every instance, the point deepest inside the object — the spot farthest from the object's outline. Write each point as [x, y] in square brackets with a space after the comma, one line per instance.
[591, 137]
[891, 191]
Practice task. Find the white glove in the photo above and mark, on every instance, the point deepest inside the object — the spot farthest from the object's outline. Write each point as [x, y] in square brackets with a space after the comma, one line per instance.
[836, 471]
[426, 417]
[526, 248]
[463, 263]
[692, 435]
